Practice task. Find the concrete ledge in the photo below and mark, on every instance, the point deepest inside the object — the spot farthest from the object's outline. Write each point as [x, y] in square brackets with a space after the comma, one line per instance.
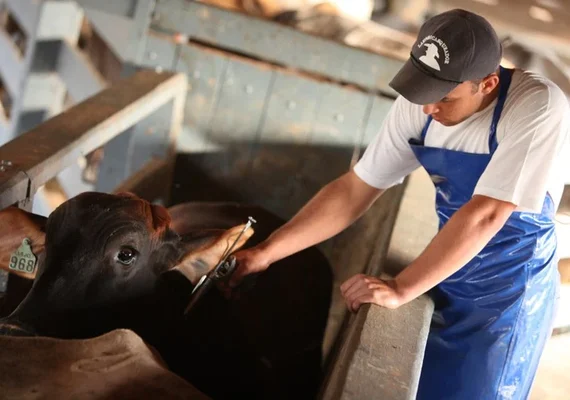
[381, 351]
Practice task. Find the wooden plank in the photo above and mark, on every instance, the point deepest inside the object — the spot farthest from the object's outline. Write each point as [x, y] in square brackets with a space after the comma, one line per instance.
[59, 20]
[11, 65]
[80, 77]
[58, 142]
[276, 43]
[114, 29]
[43, 91]
[26, 12]
[17, 188]
[122, 8]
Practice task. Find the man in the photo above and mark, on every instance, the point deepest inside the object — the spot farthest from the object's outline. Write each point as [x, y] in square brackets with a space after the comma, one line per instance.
[490, 138]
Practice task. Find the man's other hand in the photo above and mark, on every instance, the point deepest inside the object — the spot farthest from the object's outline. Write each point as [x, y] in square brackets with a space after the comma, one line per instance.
[362, 289]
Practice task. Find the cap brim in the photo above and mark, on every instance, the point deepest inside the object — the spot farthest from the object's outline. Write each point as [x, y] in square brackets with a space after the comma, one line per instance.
[419, 87]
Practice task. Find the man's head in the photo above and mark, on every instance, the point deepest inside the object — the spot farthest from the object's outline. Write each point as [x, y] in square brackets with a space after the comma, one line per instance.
[452, 67]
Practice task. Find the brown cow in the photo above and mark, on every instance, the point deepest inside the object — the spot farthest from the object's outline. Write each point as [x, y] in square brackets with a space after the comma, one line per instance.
[119, 262]
[116, 365]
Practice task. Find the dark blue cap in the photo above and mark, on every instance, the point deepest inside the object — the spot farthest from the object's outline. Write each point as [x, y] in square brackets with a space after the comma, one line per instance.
[452, 47]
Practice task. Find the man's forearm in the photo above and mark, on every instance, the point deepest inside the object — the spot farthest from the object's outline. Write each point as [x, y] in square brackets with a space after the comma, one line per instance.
[330, 211]
[461, 239]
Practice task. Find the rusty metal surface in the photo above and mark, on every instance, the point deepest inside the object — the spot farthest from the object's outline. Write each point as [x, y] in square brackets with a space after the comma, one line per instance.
[38, 155]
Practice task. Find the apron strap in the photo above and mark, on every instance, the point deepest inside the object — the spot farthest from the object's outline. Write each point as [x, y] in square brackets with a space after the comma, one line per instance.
[505, 76]
[426, 126]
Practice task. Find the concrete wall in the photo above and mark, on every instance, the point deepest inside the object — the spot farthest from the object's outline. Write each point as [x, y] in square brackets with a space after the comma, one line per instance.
[381, 350]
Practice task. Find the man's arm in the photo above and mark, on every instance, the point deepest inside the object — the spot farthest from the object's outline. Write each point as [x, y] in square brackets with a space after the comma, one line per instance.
[336, 206]
[462, 238]
[331, 210]
[388, 159]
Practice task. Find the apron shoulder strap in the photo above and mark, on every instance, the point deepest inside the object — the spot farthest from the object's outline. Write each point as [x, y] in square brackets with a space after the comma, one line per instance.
[505, 76]
[426, 127]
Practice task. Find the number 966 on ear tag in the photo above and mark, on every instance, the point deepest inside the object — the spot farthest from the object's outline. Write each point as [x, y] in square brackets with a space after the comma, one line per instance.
[23, 260]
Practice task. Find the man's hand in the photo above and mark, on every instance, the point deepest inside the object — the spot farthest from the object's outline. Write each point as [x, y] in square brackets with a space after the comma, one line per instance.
[362, 289]
[249, 261]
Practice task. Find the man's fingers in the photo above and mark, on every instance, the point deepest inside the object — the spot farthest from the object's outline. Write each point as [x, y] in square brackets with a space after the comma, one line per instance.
[236, 277]
[356, 287]
[345, 287]
[363, 282]
[362, 299]
[365, 291]
[358, 292]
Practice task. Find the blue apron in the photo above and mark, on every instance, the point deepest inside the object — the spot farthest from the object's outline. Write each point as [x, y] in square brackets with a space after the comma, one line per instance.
[492, 317]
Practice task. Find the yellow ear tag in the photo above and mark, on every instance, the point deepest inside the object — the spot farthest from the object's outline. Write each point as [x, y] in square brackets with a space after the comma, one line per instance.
[23, 259]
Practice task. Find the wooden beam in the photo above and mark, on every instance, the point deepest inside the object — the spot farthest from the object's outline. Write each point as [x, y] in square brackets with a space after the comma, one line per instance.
[26, 12]
[11, 65]
[38, 155]
[80, 76]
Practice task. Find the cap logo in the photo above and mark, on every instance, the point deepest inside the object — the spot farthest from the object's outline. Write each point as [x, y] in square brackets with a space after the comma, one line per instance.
[432, 52]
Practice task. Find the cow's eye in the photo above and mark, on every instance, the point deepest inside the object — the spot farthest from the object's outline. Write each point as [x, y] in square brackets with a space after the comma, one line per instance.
[126, 255]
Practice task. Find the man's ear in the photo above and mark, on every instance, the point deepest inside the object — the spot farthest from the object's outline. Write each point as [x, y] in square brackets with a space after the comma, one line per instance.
[15, 226]
[203, 249]
[489, 83]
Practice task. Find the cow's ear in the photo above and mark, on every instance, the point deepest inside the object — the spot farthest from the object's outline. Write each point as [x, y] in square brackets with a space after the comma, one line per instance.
[203, 249]
[16, 225]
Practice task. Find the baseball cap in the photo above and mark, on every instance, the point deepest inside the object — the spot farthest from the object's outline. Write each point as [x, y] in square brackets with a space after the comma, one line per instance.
[451, 48]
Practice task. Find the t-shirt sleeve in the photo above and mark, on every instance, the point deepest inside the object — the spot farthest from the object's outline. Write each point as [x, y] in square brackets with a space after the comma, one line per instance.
[388, 159]
[525, 159]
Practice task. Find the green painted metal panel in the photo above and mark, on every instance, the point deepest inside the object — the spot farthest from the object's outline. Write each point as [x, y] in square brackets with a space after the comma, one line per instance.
[277, 43]
[380, 108]
[205, 71]
[340, 117]
[241, 103]
[291, 109]
[159, 53]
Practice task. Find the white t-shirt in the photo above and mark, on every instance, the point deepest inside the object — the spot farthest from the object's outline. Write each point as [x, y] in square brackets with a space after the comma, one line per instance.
[532, 154]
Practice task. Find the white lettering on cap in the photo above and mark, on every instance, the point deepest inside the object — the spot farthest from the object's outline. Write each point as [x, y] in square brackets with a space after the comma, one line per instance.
[432, 51]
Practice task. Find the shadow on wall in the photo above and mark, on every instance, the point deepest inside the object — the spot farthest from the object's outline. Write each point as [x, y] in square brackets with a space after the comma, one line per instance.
[282, 178]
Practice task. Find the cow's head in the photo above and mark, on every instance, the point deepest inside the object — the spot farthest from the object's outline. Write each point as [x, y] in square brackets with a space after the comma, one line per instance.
[99, 255]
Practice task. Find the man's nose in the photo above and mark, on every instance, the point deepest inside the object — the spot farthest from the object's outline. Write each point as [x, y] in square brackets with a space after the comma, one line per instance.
[430, 109]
